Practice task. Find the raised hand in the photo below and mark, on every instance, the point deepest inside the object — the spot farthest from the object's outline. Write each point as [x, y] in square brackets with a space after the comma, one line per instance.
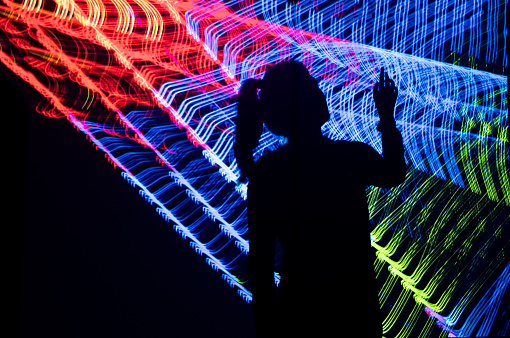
[385, 96]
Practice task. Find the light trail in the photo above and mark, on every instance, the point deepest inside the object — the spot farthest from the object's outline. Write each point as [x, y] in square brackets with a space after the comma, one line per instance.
[152, 82]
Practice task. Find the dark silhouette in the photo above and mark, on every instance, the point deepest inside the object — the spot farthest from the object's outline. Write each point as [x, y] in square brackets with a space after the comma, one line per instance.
[309, 196]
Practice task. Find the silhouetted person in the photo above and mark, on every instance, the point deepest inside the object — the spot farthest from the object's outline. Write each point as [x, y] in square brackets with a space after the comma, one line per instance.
[309, 195]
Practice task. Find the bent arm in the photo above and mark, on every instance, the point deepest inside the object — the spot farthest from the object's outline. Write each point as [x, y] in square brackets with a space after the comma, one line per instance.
[390, 168]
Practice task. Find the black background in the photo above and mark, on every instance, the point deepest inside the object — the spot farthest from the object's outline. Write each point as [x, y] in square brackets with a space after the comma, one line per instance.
[88, 257]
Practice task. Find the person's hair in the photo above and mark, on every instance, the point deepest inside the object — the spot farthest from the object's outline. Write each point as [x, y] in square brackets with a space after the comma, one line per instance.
[290, 103]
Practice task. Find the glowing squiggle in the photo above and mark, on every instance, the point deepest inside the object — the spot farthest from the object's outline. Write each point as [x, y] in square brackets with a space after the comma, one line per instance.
[484, 311]
[151, 83]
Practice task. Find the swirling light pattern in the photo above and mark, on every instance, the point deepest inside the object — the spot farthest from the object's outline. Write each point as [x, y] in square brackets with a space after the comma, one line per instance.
[151, 83]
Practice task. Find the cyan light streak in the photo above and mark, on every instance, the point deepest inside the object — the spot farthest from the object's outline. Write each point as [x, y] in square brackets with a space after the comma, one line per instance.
[484, 311]
[423, 104]
[152, 86]
[195, 195]
[147, 178]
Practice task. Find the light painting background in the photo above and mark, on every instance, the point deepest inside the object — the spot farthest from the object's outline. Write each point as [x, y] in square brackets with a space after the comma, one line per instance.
[126, 78]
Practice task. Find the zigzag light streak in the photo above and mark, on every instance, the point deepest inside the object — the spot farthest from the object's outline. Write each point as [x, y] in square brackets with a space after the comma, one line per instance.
[151, 83]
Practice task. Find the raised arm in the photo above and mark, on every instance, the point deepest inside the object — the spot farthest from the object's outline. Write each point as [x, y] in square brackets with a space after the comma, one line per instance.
[390, 169]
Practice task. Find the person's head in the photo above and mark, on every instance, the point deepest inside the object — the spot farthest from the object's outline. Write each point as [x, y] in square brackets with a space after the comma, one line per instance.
[290, 103]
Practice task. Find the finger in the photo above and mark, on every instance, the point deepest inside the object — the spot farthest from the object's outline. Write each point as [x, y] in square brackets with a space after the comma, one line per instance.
[392, 83]
[381, 75]
[376, 88]
[386, 80]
